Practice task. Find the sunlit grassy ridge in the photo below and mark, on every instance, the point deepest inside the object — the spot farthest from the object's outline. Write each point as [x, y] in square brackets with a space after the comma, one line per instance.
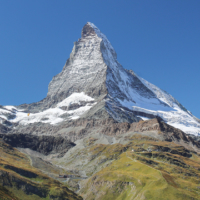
[145, 168]
[19, 180]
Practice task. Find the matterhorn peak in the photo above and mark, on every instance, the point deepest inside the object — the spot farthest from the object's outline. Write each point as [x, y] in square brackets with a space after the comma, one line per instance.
[86, 69]
[93, 80]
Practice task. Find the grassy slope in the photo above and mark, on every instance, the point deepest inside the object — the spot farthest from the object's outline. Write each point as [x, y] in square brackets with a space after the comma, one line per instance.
[6, 194]
[22, 181]
[168, 172]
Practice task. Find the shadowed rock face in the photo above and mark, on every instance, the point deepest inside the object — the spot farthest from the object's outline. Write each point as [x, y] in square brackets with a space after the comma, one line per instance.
[3, 129]
[87, 31]
[43, 144]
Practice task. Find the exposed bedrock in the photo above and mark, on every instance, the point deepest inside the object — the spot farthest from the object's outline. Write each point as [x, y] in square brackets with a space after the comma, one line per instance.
[111, 128]
[60, 138]
[43, 144]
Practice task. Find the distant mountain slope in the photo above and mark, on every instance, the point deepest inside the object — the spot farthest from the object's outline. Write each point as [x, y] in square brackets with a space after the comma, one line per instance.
[144, 160]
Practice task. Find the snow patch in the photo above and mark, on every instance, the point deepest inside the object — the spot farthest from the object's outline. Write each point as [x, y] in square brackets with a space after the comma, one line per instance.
[75, 98]
[144, 118]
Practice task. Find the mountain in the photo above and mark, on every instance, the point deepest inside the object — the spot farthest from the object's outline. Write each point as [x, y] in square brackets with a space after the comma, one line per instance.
[93, 83]
[111, 133]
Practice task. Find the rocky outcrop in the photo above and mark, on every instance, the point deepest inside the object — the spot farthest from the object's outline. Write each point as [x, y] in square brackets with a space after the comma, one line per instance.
[43, 144]
[80, 128]
[169, 132]
[21, 171]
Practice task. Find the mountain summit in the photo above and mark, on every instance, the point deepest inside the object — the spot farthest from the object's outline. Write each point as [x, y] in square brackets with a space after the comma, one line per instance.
[94, 85]
[85, 70]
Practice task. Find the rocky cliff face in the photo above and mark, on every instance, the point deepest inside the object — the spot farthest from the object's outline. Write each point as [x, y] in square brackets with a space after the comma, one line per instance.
[43, 144]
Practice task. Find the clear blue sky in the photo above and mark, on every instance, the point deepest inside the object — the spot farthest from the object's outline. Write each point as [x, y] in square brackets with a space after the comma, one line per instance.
[158, 39]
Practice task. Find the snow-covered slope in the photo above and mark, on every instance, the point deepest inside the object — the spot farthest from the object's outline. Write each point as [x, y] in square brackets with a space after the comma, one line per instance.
[180, 118]
[129, 90]
[93, 75]
[70, 108]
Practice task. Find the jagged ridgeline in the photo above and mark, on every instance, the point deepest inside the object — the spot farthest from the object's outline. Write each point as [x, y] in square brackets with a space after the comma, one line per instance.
[102, 133]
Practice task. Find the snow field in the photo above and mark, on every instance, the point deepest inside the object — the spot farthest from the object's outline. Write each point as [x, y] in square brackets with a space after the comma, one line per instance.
[53, 115]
